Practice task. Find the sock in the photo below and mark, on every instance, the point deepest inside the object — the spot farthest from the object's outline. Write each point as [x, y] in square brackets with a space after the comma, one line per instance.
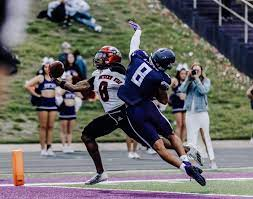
[182, 167]
[48, 146]
[100, 172]
[184, 158]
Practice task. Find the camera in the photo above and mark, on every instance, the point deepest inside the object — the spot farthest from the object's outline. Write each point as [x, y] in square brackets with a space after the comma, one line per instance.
[194, 72]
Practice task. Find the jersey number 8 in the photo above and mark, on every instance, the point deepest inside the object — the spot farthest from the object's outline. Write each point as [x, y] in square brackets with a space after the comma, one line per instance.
[103, 91]
[140, 74]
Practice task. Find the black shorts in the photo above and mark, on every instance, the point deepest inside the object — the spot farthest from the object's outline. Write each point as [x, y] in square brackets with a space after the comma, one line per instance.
[109, 122]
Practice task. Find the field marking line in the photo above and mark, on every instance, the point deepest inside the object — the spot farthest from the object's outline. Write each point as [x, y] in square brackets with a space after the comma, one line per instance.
[127, 181]
[169, 171]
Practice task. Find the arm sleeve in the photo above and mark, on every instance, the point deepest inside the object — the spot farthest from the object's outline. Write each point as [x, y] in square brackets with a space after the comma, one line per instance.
[91, 82]
[203, 88]
[183, 88]
[135, 42]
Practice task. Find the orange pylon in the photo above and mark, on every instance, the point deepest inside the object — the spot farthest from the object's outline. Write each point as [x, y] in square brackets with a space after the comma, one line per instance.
[18, 167]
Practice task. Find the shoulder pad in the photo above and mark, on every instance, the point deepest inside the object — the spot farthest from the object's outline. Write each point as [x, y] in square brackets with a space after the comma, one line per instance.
[95, 73]
[141, 54]
[118, 68]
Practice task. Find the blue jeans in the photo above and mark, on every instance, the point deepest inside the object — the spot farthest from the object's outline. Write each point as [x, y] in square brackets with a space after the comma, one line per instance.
[84, 18]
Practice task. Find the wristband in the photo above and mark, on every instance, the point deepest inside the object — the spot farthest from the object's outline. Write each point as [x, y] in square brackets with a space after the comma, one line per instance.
[62, 84]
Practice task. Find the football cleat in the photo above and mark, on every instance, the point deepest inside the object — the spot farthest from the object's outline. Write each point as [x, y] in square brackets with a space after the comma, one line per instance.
[194, 173]
[194, 154]
[196, 168]
[97, 179]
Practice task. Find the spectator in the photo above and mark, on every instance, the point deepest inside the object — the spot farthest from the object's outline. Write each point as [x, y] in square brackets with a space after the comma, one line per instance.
[131, 148]
[68, 108]
[196, 86]
[177, 101]
[249, 93]
[81, 64]
[65, 50]
[79, 11]
[70, 66]
[46, 105]
[56, 12]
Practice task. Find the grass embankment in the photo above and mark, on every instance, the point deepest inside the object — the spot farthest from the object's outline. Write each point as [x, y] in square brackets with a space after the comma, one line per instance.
[229, 108]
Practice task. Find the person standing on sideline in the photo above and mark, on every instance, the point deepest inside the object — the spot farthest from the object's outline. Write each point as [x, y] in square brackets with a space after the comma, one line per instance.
[67, 102]
[177, 101]
[46, 106]
[131, 148]
[196, 86]
[249, 94]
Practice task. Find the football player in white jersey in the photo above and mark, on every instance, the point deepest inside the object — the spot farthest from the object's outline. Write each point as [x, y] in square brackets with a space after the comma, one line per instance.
[105, 81]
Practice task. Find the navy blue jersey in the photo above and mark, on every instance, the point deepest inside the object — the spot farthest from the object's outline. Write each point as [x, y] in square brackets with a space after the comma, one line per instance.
[142, 80]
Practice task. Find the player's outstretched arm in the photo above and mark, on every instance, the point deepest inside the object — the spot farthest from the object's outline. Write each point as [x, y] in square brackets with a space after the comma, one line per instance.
[136, 38]
[78, 87]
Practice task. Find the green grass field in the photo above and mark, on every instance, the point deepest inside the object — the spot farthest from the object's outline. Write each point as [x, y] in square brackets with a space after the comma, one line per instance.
[229, 108]
[239, 187]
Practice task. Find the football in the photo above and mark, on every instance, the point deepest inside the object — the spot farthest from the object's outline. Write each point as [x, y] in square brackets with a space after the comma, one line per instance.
[56, 69]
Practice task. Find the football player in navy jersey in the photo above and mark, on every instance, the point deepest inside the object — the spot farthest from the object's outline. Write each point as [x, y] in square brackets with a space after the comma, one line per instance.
[146, 79]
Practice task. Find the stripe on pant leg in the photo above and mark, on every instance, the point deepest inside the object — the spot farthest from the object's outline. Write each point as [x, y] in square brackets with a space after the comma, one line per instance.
[138, 134]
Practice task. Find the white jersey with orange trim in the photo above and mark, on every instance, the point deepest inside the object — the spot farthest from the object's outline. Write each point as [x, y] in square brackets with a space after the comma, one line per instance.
[106, 84]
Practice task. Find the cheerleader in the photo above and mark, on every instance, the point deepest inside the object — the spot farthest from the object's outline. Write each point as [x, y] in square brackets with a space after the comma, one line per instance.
[68, 103]
[177, 101]
[46, 106]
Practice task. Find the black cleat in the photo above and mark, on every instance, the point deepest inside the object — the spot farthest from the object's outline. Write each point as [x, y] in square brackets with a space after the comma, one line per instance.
[194, 172]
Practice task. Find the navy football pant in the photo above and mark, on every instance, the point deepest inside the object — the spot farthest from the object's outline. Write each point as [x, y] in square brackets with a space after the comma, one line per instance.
[109, 122]
[148, 122]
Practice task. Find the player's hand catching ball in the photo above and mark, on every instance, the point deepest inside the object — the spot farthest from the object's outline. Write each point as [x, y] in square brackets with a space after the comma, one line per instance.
[134, 25]
[56, 69]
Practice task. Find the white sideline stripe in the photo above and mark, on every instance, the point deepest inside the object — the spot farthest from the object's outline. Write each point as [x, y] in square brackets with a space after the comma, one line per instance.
[168, 171]
[165, 192]
[127, 181]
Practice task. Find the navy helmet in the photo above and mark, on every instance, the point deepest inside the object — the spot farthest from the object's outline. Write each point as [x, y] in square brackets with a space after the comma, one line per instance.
[163, 58]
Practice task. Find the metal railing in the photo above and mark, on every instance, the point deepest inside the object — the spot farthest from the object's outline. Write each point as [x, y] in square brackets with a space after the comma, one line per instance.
[247, 23]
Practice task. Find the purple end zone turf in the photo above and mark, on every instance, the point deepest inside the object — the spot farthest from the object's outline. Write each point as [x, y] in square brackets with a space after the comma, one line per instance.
[61, 193]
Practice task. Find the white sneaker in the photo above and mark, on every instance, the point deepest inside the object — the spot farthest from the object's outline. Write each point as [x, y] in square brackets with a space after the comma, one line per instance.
[131, 155]
[93, 20]
[50, 152]
[151, 151]
[136, 155]
[97, 178]
[213, 165]
[64, 149]
[43, 152]
[98, 28]
[69, 149]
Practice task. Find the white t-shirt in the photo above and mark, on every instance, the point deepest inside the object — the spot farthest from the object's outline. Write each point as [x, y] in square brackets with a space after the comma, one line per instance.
[106, 85]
